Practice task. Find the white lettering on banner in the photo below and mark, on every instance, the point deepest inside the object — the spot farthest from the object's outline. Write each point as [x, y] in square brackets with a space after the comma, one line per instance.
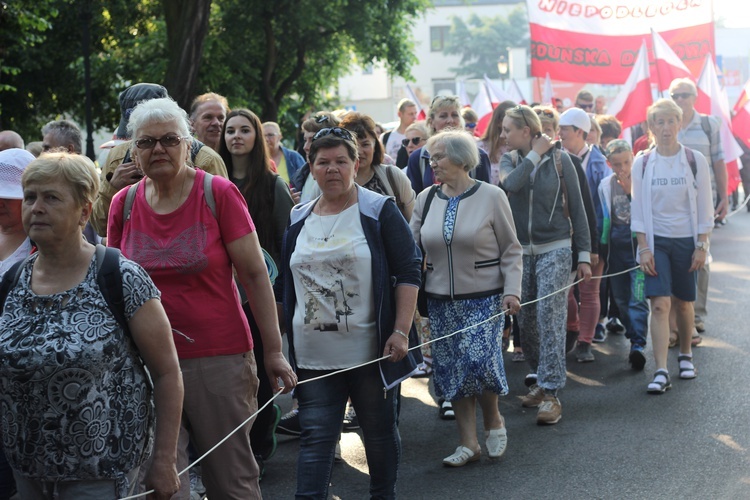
[618, 17]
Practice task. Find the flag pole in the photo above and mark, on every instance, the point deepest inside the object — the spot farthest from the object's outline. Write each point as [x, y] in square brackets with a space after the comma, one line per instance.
[658, 73]
[539, 89]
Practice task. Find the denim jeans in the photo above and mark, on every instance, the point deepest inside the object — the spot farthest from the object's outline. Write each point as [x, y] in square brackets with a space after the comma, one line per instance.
[321, 411]
[628, 292]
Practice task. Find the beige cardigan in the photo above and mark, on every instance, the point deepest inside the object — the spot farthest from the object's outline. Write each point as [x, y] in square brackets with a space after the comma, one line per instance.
[484, 257]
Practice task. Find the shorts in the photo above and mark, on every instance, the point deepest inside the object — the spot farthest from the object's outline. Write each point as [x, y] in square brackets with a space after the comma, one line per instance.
[673, 257]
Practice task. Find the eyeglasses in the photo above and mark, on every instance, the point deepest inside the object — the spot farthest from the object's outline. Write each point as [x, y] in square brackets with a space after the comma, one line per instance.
[471, 125]
[434, 159]
[545, 112]
[519, 109]
[321, 119]
[413, 140]
[269, 136]
[168, 141]
[682, 95]
[585, 106]
[341, 133]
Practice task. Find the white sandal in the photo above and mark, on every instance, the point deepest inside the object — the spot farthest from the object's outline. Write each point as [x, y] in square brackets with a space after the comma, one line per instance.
[497, 441]
[461, 457]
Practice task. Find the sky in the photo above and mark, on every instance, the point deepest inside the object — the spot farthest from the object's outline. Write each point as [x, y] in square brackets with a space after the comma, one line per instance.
[736, 13]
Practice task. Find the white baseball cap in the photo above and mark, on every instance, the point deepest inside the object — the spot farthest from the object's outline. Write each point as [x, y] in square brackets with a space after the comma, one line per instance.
[12, 163]
[577, 118]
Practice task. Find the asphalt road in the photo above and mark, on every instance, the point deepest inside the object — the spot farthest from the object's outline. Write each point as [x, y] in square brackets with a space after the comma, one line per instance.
[614, 440]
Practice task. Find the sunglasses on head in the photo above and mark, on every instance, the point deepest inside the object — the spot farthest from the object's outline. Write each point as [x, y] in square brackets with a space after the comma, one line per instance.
[168, 141]
[519, 109]
[413, 140]
[321, 119]
[682, 95]
[341, 133]
[545, 112]
[585, 106]
[471, 125]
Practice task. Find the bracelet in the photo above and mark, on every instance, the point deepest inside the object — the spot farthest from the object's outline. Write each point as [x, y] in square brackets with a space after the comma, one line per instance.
[396, 330]
[643, 250]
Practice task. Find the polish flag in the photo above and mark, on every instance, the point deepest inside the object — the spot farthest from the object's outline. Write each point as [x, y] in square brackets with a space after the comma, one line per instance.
[712, 100]
[515, 93]
[547, 94]
[741, 119]
[421, 114]
[668, 65]
[463, 97]
[497, 94]
[630, 104]
[483, 106]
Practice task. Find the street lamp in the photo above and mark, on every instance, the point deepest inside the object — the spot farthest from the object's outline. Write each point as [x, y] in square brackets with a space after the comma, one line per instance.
[502, 68]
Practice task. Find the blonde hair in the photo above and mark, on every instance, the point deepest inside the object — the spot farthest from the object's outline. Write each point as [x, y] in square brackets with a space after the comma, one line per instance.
[544, 112]
[524, 116]
[440, 102]
[663, 106]
[76, 171]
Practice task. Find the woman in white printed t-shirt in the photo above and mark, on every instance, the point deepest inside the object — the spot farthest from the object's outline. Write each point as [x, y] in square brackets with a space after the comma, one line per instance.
[672, 216]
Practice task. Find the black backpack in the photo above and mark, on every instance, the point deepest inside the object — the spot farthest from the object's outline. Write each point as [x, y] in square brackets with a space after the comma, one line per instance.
[108, 278]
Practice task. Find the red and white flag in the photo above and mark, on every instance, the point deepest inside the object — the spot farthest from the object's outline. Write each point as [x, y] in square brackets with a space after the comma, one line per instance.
[596, 41]
[668, 65]
[741, 118]
[547, 94]
[421, 114]
[496, 94]
[482, 105]
[630, 104]
[712, 100]
[463, 97]
[515, 93]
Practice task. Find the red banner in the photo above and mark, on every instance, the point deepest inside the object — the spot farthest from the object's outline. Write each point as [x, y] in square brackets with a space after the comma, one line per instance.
[597, 41]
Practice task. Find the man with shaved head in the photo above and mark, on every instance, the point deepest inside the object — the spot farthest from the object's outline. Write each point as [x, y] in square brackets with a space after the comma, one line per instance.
[10, 139]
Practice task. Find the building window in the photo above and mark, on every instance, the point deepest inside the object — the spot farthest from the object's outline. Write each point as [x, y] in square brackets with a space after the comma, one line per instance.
[438, 37]
[367, 70]
[443, 87]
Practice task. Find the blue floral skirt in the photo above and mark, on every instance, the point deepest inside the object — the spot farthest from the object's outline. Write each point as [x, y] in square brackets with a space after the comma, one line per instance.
[470, 362]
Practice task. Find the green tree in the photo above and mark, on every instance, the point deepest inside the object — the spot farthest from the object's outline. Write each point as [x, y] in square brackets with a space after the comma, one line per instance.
[482, 41]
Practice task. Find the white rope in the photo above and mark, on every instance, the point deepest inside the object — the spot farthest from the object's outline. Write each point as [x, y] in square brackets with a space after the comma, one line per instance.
[742, 205]
[491, 318]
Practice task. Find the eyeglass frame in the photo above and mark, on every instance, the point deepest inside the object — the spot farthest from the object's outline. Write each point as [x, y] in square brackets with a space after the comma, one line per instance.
[138, 142]
[519, 108]
[681, 95]
[413, 140]
[339, 132]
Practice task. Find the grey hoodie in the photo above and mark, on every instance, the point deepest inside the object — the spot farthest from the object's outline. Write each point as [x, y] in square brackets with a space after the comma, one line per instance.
[535, 194]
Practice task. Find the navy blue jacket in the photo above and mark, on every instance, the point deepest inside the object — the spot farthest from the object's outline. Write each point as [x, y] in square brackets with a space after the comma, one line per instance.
[396, 260]
[294, 162]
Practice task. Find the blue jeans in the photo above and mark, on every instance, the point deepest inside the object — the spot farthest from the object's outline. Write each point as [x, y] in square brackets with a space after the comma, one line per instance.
[321, 410]
[628, 291]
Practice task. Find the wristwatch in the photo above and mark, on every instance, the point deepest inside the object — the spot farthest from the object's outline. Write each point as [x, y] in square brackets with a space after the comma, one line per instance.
[702, 245]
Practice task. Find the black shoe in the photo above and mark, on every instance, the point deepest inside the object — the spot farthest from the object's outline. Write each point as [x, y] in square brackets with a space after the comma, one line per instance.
[351, 422]
[614, 325]
[261, 466]
[289, 424]
[570, 341]
[530, 379]
[637, 359]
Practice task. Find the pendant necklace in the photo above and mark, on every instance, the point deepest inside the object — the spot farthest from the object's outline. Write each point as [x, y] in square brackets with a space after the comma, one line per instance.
[329, 235]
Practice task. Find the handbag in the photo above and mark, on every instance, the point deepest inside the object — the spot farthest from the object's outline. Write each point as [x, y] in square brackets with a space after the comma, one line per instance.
[422, 295]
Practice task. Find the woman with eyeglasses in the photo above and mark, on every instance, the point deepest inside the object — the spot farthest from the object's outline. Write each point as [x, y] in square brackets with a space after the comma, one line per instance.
[444, 113]
[192, 234]
[545, 197]
[473, 274]
[269, 201]
[351, 274]
[416, 136]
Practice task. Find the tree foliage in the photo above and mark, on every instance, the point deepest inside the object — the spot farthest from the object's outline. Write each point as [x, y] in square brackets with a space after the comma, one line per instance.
[482, 41]
[277, 58]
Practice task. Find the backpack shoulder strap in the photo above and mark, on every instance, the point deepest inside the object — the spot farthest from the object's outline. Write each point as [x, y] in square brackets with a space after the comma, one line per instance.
[10, 279]
[208, 192]
[195, 148]
[428, 201]
[129, 199]
[514, 157]
[706, 126]
[109, 279]
[645, 161]
[393, 187]
[557, 159]
[691, 161]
